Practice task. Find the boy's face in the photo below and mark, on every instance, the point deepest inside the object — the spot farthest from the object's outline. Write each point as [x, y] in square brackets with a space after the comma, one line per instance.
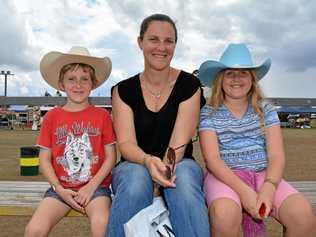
[77, 84]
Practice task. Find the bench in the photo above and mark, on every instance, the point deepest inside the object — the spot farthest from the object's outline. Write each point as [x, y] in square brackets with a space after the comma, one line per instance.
[21, 198]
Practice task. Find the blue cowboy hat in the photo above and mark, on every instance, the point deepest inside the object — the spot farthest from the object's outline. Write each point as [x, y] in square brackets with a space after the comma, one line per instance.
[234, 56]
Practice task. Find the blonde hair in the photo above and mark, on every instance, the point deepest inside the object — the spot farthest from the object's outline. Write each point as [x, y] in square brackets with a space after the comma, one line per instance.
[74, 67]
[255, 95]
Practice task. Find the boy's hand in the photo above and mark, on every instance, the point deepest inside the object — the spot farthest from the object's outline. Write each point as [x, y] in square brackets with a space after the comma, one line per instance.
[68, 196]
[85, 194]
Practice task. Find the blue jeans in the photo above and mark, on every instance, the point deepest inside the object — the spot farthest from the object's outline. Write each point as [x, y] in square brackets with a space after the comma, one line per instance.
[133, 190]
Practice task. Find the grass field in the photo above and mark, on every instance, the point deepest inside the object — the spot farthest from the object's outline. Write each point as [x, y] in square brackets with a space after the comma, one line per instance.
[301, 165]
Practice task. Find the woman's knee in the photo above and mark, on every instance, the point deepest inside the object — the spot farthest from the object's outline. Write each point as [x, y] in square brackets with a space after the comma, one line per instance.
[225, 213]
[132, 180]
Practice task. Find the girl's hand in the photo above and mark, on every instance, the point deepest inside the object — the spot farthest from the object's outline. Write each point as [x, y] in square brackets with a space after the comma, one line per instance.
[157, 170]
[69, 196]
[85, 194]
[265, 197]
[248, 198]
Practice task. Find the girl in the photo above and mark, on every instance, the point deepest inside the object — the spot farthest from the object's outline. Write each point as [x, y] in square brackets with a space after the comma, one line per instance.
[77, 144]
[242, 145]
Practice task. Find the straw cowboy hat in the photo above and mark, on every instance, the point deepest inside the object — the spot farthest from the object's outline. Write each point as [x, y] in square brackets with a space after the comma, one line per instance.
[235, 56]
[52, 63]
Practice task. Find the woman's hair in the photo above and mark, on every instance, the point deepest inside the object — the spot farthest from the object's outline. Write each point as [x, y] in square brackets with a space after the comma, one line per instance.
[74, 67]
[255, 94]
[157, 17]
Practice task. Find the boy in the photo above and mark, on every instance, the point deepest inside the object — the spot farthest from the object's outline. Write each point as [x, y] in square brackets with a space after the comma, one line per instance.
[76, 141]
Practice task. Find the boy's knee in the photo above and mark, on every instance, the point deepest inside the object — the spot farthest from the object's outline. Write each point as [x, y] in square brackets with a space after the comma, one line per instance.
[35, 230]
[99, 221]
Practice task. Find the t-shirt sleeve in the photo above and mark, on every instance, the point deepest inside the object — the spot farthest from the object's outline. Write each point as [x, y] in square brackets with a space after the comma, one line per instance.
[270, 116]
[189, 85]
[206, 120]
[108, 131]
[45, 134]
[126, 90]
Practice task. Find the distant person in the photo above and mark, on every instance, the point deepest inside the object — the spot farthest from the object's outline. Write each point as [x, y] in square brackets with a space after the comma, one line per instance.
[154, 112]
[77, 151]
[242, 145]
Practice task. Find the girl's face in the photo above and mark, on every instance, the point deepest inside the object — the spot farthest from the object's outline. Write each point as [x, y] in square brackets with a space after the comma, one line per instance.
[236, 83]
[158, 44]
[77, 84]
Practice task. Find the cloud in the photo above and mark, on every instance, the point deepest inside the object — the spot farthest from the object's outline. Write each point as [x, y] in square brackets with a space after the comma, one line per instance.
[282, 30]
[14, 47]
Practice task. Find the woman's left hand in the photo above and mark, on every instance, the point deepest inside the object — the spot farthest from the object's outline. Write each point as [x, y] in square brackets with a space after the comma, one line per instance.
[85, 194]
[265, 200]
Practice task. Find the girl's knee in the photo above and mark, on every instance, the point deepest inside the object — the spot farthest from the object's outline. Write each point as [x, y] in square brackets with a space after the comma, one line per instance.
[225, 213]
[296, 212]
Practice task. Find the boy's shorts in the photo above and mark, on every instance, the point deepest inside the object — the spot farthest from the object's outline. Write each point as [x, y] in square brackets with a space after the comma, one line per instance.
[99, 192]
[214, 189]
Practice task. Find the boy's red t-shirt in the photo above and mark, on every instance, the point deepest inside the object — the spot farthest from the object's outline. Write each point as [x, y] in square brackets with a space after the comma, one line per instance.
[76, 141]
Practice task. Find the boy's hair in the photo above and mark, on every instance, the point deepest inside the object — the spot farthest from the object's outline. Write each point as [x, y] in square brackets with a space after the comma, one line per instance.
[74, 67]
[255, 94]
[157, 17]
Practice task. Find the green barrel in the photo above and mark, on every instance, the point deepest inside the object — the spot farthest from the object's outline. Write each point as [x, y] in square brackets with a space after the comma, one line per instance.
[29, 161]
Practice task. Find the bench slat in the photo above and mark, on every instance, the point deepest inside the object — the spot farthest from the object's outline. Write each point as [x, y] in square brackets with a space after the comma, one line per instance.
[21, 198]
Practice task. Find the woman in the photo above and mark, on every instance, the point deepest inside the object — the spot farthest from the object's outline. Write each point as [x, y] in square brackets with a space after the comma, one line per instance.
[153, 110]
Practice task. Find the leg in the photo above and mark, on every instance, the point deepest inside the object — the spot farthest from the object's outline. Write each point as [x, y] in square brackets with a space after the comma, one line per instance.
[225, 210]
[297, 216]
[188, 211]
[225, 217]
[46, 216]
[133, 190]
[98, 213]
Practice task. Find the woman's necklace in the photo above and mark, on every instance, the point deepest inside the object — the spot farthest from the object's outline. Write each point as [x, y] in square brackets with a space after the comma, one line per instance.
[157, 94]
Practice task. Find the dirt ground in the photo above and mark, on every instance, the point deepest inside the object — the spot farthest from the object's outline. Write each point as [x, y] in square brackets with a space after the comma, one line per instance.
[301, 165]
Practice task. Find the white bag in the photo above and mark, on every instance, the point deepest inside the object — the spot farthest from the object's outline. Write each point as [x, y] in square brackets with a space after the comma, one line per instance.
[152, 221]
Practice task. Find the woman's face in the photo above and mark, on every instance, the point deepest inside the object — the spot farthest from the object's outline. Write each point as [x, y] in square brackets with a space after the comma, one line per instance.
[236, 83]
[158, 44]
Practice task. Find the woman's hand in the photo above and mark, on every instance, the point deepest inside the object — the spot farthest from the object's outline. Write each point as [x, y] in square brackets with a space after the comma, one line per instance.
[265, 197]
[85, 194]
[157, 169]
[69, 196]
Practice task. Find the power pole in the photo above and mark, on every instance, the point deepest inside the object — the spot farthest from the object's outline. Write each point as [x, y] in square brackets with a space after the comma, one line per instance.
[6, 74]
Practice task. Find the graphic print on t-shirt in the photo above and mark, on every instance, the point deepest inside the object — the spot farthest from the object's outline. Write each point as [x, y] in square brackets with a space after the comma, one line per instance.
[77, 157]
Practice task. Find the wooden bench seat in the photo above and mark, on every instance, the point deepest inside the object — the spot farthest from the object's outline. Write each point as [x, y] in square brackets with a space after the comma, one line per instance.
[21, 198]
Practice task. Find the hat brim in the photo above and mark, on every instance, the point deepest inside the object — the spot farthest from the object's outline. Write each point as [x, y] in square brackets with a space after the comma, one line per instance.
[209, 70]
[53, 62]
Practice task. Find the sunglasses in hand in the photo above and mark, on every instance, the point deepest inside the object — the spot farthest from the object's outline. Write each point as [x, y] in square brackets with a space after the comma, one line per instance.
[171, 158]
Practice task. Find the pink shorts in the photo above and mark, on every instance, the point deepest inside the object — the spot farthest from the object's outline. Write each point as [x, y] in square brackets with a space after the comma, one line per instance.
[214, 189]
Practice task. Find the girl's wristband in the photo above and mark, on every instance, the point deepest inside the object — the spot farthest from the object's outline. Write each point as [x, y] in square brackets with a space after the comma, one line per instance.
[271, 181]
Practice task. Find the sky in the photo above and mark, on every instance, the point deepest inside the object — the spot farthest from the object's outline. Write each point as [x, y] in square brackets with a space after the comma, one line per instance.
[282, 30]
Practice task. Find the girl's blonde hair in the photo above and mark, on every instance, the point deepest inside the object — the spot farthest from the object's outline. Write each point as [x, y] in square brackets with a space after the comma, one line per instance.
[255, 94]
